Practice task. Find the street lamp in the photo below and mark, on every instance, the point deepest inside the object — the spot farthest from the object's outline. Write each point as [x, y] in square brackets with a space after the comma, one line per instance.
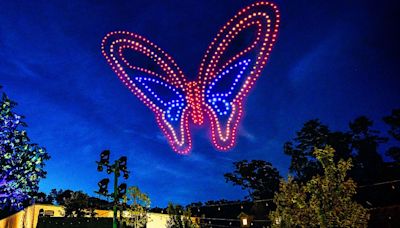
[121, 190]
[105, 157]
[117, 167]
[122, 162]
[103, 186]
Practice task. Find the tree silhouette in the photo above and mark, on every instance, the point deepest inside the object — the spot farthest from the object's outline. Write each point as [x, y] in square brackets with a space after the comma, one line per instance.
[258, 177]
[368, 163]
[313, 135]
[77, 205]
[361, 143]
[394, 123]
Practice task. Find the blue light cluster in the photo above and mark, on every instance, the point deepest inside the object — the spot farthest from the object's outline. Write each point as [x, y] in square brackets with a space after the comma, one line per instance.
[169, 106]
[221, 99]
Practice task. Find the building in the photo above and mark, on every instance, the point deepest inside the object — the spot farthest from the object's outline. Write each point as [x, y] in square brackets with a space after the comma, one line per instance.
[28, 218]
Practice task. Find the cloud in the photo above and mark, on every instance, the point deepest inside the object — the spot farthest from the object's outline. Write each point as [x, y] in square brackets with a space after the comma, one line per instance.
[246, 134]
[312, 62]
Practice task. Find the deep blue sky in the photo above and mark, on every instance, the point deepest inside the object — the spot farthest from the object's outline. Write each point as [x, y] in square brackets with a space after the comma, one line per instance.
[334, 60]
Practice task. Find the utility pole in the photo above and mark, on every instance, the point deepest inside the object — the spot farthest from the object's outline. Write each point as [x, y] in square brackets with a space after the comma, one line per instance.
[115, 221]
[116, 168]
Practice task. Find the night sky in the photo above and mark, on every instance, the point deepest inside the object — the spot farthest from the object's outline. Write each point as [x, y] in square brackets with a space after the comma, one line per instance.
[334, 60]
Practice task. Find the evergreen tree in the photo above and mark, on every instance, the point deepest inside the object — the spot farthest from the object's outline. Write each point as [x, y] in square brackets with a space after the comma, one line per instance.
[21, 161]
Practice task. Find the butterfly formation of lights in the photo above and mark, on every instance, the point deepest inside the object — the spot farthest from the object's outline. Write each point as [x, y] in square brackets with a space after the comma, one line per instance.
[224, 79]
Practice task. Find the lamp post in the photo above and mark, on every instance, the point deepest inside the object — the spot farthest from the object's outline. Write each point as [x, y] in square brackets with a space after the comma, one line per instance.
[116, 168]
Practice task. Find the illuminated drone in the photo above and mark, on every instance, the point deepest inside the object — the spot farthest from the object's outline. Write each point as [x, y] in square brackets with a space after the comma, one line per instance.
[227, 73]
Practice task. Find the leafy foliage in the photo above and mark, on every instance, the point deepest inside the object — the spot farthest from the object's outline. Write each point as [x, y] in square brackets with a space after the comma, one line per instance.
[323, 201]
[259, 177]
[21, 161]
[137, 211]
[59, 196]
[74, 201]
[42, 198]
[77, 205]
[178, 217]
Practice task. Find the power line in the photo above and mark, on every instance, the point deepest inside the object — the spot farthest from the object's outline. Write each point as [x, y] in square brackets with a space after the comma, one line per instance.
[221, 219]
[216, 225]
[232, 203]
[268, 200]
[380, 183]
[234, 220]
[209, 223]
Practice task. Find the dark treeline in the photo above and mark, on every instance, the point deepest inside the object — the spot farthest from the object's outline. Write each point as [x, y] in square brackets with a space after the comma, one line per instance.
[376, 169]
[76, 203]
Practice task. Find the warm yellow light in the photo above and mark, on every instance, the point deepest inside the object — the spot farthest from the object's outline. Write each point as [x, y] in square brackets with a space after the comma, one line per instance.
[244, 221]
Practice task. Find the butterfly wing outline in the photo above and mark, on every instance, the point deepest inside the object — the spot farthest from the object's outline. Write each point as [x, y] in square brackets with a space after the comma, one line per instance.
[228, 70]
[154, 77]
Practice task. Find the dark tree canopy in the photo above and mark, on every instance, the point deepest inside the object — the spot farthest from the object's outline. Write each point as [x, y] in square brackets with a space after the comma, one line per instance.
[21, 161]
[394, 153]
[63, 197]
[368, 162]
[42, 198]
[313, 135]
[361, 143]
[77, 205]
[59, 196]
[394, 123]
[258, 177]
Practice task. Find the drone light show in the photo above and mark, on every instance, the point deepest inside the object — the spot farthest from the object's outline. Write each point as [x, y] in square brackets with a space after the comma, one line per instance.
[226, 75]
